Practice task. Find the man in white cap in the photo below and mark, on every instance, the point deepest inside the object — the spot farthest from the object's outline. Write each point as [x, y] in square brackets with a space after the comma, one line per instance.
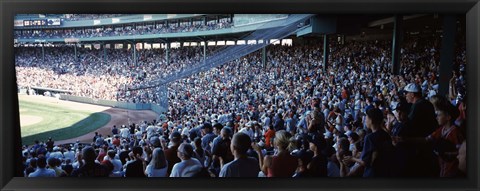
[124, 132]
[422, 122]
[422, 112]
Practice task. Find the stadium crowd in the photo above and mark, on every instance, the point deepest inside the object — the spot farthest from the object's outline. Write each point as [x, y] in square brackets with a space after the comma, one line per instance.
[285, 118]
[79, 17]
[127, 30]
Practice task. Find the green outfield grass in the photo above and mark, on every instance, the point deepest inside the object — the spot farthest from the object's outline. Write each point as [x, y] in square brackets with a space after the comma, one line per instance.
[57, 122]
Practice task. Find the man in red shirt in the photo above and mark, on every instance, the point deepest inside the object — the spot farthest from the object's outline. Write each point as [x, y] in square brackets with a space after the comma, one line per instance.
[269, 135]
[116, 140]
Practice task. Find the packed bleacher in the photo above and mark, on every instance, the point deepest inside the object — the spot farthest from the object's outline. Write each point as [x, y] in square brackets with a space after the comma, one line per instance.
[284, 118]
[79, 17]
[109, 31]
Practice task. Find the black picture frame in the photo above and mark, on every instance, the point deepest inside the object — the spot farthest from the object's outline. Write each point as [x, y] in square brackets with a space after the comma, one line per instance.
[9, 115]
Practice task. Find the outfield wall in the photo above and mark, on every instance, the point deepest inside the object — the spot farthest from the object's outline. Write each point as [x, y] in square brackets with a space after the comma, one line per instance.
[132, 106]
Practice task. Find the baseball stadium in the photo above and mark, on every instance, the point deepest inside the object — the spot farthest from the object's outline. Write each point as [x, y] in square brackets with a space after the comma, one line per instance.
[241, 95]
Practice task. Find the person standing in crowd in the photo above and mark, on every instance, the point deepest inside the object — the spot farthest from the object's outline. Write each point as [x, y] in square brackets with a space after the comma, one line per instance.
[189, 166]
[95, 136]
[171, 152]
[278, 122]
[317, 167]
[242, 165]
[282, 164]
[42, 170]
[377, 153]
[291, 122]
[54, 164]
[50, 143]
[447, 139]
[269, 137]
[315, 123]
[115, 130]
[123, 155]
[423, 123]
[221, 152]
[125, 132]
[422, 112]
[136, 167]
[158, 165]
[208, 136]
[199, 153]
[68, 167]
[117, 164]
[90, 168]
[400, 127]
[31, 167]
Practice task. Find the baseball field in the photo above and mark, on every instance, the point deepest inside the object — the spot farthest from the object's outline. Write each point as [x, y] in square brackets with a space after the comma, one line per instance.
[65, 121]
[40, 119]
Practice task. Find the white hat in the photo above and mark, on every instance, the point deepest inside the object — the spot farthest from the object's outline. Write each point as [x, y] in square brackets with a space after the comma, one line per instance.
[261, 144]
[412, 87]
[327, 134]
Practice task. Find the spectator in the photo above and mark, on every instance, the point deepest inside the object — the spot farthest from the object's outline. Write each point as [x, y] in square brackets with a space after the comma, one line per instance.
[221, 152]
[171, 152]
[377, 151]
[90, 168]
[242, 166]
[282, 164]
[41, 170]
[50, 143]
[68, 167]
[446, 139]
[54, 164]
[279, 123]
[189, 166]
[208, 136]
[423, 123]
[136, 167]
[158, 165]
[317, 167]
[117, 170]
[31, 167]
[199, 153]
[115, 130]
[404, 152]
[304, 159]
[269, 137]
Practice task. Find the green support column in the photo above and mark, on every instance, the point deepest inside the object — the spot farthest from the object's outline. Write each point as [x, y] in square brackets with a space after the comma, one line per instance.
[43, 52]
[75, 49]
[397, 43]
[326, 51]
[447, 53]
[264, 56]
[104, 53]
[167, 47]
[204, 51]
[134, 54]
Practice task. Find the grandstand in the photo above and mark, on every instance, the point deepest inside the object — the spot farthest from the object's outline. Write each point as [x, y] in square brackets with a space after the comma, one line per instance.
[247, 72]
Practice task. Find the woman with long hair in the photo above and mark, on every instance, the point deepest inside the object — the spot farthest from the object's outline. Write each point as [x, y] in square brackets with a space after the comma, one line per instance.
[281, 164]
[158, 165]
